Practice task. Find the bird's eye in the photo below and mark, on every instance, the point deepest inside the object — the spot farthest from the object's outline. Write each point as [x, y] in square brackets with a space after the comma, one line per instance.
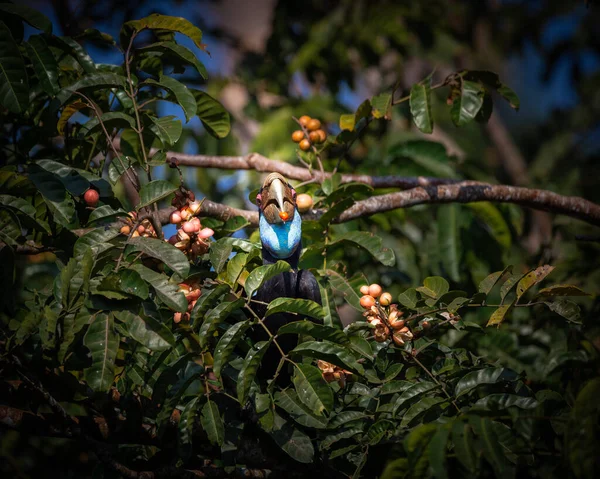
[258, 199]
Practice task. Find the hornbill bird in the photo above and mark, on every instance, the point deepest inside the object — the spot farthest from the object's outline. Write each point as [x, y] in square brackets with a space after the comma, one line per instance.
[280, 227]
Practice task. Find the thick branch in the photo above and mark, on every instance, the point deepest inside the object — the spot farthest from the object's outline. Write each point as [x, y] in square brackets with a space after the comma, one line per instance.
[464, 192]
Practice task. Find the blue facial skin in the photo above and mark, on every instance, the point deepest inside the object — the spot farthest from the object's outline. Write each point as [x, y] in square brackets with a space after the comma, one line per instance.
[281, 239]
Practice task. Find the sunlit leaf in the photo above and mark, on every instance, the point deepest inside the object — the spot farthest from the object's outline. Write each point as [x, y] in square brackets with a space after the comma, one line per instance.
[312, 389]
[420, 106]
[465, 108]
[301, 307]
[164, 252]
[263, 273]
[155, 191]
[213, 115]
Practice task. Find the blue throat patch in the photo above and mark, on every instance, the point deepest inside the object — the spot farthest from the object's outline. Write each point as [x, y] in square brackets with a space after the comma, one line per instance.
[281, 239]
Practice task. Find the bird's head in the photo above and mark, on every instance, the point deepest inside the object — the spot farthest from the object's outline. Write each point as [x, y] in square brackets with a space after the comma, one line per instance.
[277, 199]
[280, 223]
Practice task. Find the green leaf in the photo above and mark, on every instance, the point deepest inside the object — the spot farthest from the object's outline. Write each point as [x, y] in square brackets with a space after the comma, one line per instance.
[495, 402]
[155, 191]
[74, 49]
[419, 408]
[117, 168]
[373, 244]
[581, 436]
[449, 239]
[341, 284]
[105, 213]
[437, 452]
[112, 119]
[216, 316]
[186, 422]
[394, 387]
[462, 439]
[249, 369]
[330, 352]
[361, 346]
[168, 129]
[164, 252]
[14, 90]
[123, 284]
[212, 423]
[420, 106]
[219, 253]
[147, 331]
[312, 389]
[381, 105]
[208, 300]
[92, 81]
[263, 273]
[490, 281]
[511, 281]
[21, 206]
[67, 112]
[293, 441]
[483, 376]
[31, 16]
[182, 53]
[55, 195]
[510, 96]
[227, 344]
[465, 108]
[428, 155]
[331, 318]
[97, 239]
[214, 116]
[434, 287]
[488, 441]
[161, 22]
[499, 315]
[377, 431]
[289, 401]
[168, 293]
[491, 216]
[562, 290]
[44, 63]
[413, 391]
[301, 307]
[309, 328]
[103, 343]
[409, 298]
[235, 266]
[567, 309]
[184, 97]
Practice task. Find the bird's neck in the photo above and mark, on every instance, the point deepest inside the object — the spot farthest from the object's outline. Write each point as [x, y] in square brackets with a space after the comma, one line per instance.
[281, 240]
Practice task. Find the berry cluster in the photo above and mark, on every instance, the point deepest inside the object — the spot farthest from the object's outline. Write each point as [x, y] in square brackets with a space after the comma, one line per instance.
[190, 237]
[144, 229]
[316, 135]
[384, 317]
[192, 292]
[331, 373]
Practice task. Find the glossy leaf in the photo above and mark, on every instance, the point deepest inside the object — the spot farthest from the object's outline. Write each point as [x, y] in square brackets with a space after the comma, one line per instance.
[293, 441]
[103, 343]
[420, 106]
[164, 252]
[219, 253]
[381, 105]
[413, 391]
[184, 97]
[92, 81]
[562, 290]
[377, 431]
[147, 331]
[216, 316]
[112, 119]
[490, 281]
[169, 293]
[161, 22]
[483, 376]
[409, 298]
[155, 191]
[21, 206]
[55, 195]
[465, 108]
[419, 408]
[330, 352]
[373, 244]
[288, 401]
[249, 369]
[213, 115]
[31, 16]
[496, 402]
[532, 278]
[227, 344]
[97, 239]
[263, 273]
[14, 89]
[311, 329]
[182, 53]
[499, 315]
[44, 63]
[301, 307]
[312, 389]
[212, 423]
[434, 287]
[567, 309]
[123, 284]
[167, 129]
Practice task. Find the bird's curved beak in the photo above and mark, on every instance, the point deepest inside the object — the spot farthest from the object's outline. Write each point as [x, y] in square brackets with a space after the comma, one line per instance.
[277, 190]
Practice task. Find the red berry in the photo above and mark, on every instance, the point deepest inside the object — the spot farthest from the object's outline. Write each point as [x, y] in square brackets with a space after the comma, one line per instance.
[91, 197]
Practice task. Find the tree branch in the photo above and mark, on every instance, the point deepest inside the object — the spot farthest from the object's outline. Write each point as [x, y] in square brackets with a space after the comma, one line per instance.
[463, 192]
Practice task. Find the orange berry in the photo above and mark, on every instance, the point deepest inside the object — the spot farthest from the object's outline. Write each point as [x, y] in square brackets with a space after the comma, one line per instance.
[284, 215]
[364, 289]
[375, 290]
[298, 136]
[305, 145]
[314, 137]
[385, 299]
[313, 125]
[304, 119]
[304, 202]
[367, 301]
[322, 136]
[125, 230]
